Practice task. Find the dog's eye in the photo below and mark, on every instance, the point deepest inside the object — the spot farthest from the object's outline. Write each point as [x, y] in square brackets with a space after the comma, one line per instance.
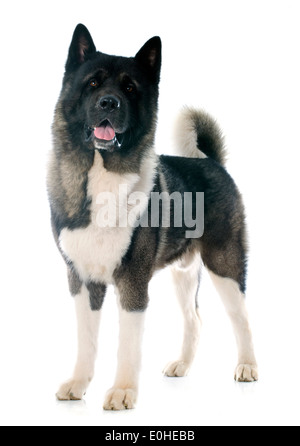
[93, 83]
[130, 88]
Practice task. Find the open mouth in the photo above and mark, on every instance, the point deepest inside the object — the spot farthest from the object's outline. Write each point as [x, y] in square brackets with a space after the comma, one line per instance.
[105, 131]
[104, 136]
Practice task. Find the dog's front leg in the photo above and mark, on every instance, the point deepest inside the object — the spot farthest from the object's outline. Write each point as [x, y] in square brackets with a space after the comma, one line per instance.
[124, 392]
[88, 302]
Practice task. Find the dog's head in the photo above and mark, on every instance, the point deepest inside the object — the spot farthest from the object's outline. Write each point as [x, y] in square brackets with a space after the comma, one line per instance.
[110, 102]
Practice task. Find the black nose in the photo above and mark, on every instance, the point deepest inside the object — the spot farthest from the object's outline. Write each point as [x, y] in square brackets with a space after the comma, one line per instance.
[109, 103]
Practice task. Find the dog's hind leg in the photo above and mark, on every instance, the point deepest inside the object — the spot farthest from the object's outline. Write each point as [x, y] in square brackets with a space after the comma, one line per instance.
[234, 302]
[186, 277]
[88, 301]
[226, 264]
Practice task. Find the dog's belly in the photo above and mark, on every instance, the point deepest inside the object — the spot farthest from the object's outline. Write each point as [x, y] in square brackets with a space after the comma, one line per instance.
[95, 252]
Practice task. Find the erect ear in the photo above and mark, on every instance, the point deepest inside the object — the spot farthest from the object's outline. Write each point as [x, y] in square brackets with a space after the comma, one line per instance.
[149, 57]
[81, 48]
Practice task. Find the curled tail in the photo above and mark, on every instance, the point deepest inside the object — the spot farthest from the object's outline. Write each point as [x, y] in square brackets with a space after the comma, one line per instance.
[198, 136]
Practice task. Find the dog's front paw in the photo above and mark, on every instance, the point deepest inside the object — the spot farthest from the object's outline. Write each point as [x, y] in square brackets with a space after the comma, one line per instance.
[72, 390]
[120, 399]
[176, 369]
[246, 373]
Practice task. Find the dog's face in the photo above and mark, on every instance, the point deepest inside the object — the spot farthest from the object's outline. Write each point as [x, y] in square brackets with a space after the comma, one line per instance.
[110, 101]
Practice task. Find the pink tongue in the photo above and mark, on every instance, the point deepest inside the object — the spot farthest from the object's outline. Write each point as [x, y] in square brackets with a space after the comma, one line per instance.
[105, 132]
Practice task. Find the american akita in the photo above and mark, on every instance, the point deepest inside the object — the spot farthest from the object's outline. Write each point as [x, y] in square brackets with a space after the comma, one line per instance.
[103, 134]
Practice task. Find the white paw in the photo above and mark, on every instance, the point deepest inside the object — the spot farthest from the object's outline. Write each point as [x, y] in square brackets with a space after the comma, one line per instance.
[120, 399]
[246, 373]
[177, 369]
[72, 390]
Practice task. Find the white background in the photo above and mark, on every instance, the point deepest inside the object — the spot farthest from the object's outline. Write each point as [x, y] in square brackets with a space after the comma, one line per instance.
[237, 59]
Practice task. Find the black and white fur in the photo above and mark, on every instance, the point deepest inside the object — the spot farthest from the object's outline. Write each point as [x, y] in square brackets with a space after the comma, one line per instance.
[82, 167]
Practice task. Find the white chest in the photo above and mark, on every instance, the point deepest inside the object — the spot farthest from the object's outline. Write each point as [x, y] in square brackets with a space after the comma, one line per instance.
[96, 251]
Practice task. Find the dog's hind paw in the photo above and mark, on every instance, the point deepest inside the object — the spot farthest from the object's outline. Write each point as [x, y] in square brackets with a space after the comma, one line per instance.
[176, 369]
[246, 373]
[72, 390]
[120, 399]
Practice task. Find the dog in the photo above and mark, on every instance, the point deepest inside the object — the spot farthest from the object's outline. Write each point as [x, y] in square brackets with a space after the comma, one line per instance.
[112, 226]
